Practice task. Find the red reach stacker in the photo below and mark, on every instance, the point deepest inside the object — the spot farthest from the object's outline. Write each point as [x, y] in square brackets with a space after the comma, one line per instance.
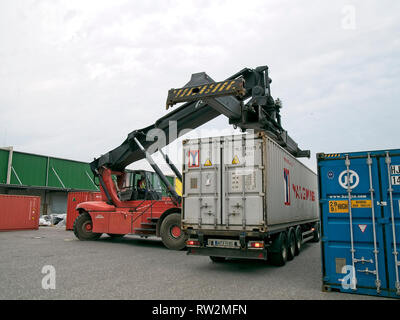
[130, 204]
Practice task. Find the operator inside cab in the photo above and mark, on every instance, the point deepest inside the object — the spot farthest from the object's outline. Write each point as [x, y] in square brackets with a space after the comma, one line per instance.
[141, 186]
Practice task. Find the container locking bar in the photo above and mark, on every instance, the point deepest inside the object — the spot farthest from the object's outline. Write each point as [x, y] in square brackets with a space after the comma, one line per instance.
[352, 250]
[376, 251]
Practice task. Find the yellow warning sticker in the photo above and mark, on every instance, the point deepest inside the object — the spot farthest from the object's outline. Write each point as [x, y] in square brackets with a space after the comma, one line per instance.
[208, 163]
[338, 206]
[235, 160]
[361, 204]
[342, 206]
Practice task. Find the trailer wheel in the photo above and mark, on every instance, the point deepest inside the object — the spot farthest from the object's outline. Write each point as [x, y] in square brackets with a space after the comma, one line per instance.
[171, 233]
[217, 259]
[279, 258]
[299, 239]
[316, 233]
[83, 228]
[115, 236]
[291, 244]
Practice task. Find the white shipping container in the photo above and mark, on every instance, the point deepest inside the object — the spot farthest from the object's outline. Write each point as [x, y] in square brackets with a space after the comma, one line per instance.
[245, 183]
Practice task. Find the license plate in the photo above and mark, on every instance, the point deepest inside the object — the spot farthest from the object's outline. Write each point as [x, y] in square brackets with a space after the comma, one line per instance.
[219, 243]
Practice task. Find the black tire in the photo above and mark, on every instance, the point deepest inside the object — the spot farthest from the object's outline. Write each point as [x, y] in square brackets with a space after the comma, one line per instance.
[116, 236]
[299, 238]
[168, 233]
[217, 259]
[279, 258]
[316, 233]
[81, 229]
[291, 244]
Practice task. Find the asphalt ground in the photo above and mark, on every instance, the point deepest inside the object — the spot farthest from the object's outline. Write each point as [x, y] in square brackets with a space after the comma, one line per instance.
[135, 268]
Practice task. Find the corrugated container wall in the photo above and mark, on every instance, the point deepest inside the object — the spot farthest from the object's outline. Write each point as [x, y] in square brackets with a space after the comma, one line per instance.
[360, 222]
[19, 212]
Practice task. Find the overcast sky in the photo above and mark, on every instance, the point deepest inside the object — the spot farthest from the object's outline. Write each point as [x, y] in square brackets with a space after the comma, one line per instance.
[77, 76]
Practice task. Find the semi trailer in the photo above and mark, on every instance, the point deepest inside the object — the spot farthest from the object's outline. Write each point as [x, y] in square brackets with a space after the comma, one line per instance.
[244, 196]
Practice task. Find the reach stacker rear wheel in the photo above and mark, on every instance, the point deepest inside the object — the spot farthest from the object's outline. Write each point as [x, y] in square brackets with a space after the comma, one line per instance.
[171, 233]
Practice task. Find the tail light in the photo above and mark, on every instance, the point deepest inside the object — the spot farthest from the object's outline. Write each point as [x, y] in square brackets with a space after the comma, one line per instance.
[256, 244]
[193, 243]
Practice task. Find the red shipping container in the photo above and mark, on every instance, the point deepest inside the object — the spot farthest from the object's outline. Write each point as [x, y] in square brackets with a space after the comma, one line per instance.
[75, 198]
[19, 212]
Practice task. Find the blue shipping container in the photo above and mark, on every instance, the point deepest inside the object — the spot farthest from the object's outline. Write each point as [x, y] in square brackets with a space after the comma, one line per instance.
[360, 218]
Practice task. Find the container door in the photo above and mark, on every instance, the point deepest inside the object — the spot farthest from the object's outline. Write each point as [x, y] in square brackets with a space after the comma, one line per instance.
[242, 183]
[202, 161]
[390, 172]
[352, 233]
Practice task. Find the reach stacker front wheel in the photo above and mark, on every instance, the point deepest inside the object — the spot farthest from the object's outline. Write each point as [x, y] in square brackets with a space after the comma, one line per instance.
[83, 228]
